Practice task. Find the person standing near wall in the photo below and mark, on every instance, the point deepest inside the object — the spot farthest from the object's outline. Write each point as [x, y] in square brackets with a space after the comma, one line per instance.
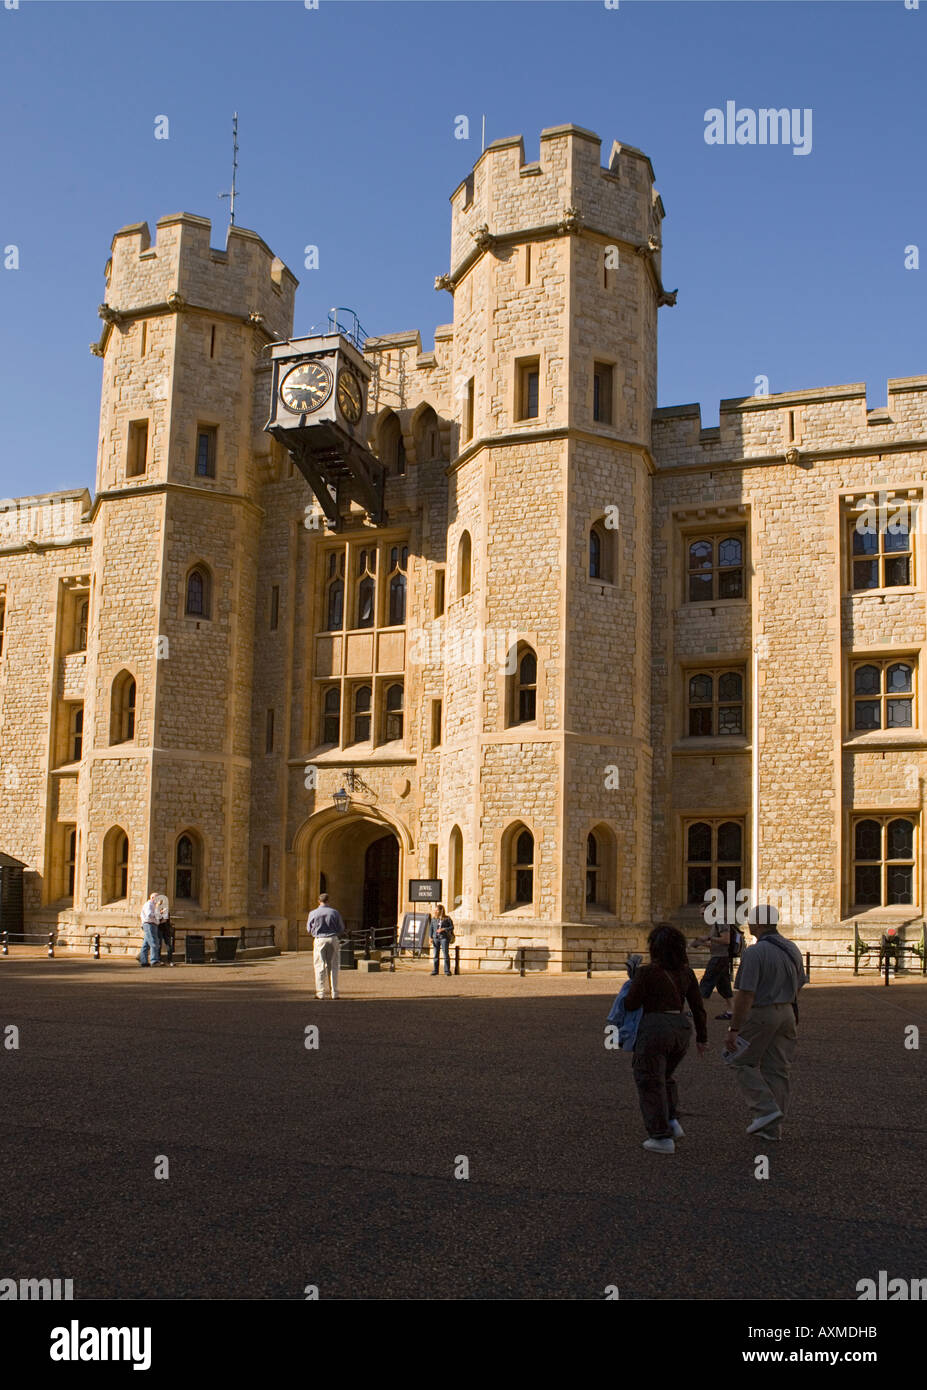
[165, 931]
[327, 928]
[150, 954]
[441, 932]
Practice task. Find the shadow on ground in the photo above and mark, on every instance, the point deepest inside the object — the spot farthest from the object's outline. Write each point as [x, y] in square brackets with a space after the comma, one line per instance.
[336, 1166]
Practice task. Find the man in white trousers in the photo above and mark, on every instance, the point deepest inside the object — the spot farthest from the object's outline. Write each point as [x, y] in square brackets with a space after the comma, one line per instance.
[325, 924]
[765, 1014]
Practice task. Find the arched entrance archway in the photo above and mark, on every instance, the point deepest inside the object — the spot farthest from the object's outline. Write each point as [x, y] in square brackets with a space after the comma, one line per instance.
[357, 860]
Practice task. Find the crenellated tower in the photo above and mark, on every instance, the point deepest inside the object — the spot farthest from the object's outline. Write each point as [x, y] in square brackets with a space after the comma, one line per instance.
[176, 525]
[555, 271]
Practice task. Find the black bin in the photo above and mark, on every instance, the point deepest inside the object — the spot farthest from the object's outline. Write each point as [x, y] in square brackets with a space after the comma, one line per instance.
[226, 947]
[347, 955]
[195, 950]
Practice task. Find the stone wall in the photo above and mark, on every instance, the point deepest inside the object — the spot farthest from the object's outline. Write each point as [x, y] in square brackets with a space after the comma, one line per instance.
[556, 262]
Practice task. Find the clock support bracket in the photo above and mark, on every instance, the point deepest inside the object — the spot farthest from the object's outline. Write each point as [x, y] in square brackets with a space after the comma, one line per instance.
[336, 462]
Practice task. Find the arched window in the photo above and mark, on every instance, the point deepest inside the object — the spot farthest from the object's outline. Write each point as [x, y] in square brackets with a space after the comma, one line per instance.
[199, 594]
[527, 687]
[392, 449]
[601, 552]
[463, 564]
[115, 865]
[883, 862]
[394, 698]
[716, 703]
[187, 867]
[592, 870]
[714, 858]
[595, 554]
[77, 733]
[523, 687]
[398, 560]
[883, 695]
[601, 878]
[522, 869]
[334, 592]
[83, 611]
[122, 708]
[331, 715]
[71, 862]
[362, 696]
[455, 867]
[366, 587]
[716, 568]
[427, 437]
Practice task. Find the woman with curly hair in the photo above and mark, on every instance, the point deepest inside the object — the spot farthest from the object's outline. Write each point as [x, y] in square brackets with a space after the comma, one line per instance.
[662, 989]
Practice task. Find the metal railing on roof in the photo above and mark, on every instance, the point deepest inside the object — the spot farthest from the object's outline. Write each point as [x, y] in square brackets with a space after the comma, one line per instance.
[350, 327]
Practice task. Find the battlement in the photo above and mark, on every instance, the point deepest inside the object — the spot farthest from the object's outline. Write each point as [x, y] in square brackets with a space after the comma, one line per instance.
[45, 520]
[507, 195]
[820, 419]
[406, 372]
[245, 278]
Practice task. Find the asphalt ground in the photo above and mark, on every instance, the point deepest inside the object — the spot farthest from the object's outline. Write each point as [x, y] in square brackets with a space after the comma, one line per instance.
[335, 1166]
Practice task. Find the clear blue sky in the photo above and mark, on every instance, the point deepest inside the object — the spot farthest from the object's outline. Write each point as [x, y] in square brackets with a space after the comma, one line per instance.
[787, 265]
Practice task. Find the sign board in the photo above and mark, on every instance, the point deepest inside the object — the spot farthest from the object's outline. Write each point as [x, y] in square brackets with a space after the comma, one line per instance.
[424, 890]
[412, 931]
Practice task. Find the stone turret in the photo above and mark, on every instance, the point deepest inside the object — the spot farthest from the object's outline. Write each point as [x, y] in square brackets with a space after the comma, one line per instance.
[555, 271]
[176, 528]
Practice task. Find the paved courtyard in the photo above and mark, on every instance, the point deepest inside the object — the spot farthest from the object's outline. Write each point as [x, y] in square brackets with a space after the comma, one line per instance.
[336, 1167]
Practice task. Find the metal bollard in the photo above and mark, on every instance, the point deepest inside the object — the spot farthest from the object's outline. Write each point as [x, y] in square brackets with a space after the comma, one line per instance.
[589, 965]
[888, 963]
[456, 960]
[4, 938]
[51, 945]
[521, 961]
[808, 965]
[96, 946]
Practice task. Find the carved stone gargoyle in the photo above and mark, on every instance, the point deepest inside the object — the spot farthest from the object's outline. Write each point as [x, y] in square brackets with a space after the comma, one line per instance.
[571, 221]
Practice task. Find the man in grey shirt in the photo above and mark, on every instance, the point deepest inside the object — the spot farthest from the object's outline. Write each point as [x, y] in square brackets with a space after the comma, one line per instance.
[326, 926]
[765, 1010]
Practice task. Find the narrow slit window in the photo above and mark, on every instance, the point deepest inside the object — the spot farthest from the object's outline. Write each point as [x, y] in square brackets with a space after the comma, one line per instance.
[602, 377]
[206, 439]
[137, 463]
[527, 388]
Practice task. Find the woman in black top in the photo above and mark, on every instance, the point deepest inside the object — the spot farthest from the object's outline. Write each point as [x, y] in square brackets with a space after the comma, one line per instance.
[662, 989]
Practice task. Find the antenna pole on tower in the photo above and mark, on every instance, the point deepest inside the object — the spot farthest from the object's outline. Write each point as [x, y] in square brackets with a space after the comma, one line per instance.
[234, 189]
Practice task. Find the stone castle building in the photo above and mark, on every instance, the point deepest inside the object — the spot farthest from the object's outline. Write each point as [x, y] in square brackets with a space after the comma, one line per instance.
[596, 661]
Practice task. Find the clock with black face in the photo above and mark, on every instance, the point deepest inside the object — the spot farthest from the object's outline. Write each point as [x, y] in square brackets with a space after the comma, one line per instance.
[306, 387]
[350, 397]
